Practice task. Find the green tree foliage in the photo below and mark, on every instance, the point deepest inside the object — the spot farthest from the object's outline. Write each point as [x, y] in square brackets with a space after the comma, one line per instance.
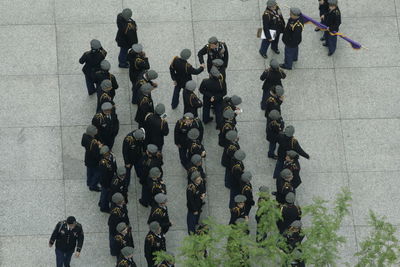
[381, 247]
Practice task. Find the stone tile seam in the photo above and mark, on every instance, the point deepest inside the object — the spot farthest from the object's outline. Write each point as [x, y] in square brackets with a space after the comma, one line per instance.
[397, 20]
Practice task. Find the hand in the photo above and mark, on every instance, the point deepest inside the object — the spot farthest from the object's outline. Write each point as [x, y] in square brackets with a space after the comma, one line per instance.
[175, 83]
[203, 65]
[155, 84]
[270, 40]
[212, 99]
[50, 245]
[195, 213]
[179, 146]
[128, 165]
[246, 218]
[143, 54]
[77, 254]
[203, 154]
[203, 196]
[322, 17]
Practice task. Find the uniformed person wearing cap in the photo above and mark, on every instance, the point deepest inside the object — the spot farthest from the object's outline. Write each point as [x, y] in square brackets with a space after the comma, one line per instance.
[238, 211]
[156, 126]
[104, 74]
[133, 149]
[181, 72]
[263, 196]
[274, 99]
[290, 213]
[170, 262]
[182, 127]
[107, 169]
[194, 146]
[159, 212]
[294, 236]
[195, 201]
[126, 257]
[292, 37]
[191, 102]
[145, 104]
[235, 173]
[246, 189]
[126, 35]
[146, 76]
[155, 185]
[332, 19]
[118, 214]
[287, 142]
[275, 126]
[232, 103]
[272, 20]
[231, 146]
[123, 238]
[107, 124]
[219, 64]
[104, 94]
[68, 236]
[92, 60]
[214, 49]
[92, 157]
[284, 185]
[323, 9]
[196, 165]
[292, 163]
[154, 241]
[138, 63]
[271, 77]
[213, 90]
[228, 124]
[119, 184]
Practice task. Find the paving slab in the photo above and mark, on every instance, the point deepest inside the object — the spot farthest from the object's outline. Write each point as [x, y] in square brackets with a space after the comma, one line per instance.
[25, 12]
[225, 10]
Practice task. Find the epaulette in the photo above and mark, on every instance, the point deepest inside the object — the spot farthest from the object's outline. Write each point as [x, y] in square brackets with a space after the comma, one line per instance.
[150, 237]
[144, 100]
[158, 211]
[129, 139]
[103, 162]
[337, 12]
[246, 188]
[231, 147]
[294, 141]
[271, 99]
[105, 96]
[123, 263]
[115, 181]
[236, 165]
[99, 115]
[236, 209]
[192, 187]
[175, 57]
[192, 169]
[187, 65]
[118, 238]
[148, 114]
[162, 265]
[116, 211]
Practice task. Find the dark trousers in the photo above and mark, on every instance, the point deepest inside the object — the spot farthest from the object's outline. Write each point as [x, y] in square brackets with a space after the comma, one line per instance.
[90, 84]
[63, 258]
[331, 41]
[146, 195]
[217, 109]
[113, 245]
[265, 44]
[278, 168]
[104, 202]
[272, 147]
[228, 180]
[192, 220]
[233, 193]
[175, 96]
[123, 52]
[291, 54]
[263, 103]
[183, 157]
[135, 95]
[128, 174]
[92, 176]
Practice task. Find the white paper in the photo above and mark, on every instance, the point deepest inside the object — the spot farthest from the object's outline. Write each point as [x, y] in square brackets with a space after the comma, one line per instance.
[271, 32]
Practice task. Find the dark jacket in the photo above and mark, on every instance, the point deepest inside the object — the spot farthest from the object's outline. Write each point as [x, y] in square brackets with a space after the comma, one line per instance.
[227, 126]
[107, 169]
[246, 189]
[237, 213]
[220, 52]
[191, 102]
[156, 128]
[213, 87]
[229, 150]
[333, 19]
[149, 162]
[132, 149]
[181, 71]
[271, 78]
[145, 105]
[272, 20]
[119, 185]
[324, 8]
[92, 60]
[102, 75]
[272, 102]
[127, 32]
[123, 262]
[274, 127]
[294, 167]
[92, 151]
[290, 213]
[153, 243]
[160, 215]
[122, 241]
[194, 202]
[66, 240]
[181, 130]
[137, 64]
[292, 33]
[117, 215]
[289, 143]
[107, 128]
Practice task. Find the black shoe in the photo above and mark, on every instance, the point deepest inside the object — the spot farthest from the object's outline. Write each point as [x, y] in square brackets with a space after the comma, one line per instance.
[325, 44]
[284, 67]
[276, 51]
[142, 203]
[322, 39]
[273, 193]
[123, 66]
[317, 29]
[174, 107]
[264, 56]
[273, 157]
[96, 189]
[330, 54]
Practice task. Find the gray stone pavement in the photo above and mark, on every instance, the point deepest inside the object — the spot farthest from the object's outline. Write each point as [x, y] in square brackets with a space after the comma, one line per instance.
[345, 110]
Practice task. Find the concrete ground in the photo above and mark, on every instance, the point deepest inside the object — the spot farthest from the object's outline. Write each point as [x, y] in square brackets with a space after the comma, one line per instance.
[344, 108]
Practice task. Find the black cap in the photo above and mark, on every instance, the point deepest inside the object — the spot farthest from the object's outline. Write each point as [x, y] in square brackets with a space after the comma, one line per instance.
[71, 220]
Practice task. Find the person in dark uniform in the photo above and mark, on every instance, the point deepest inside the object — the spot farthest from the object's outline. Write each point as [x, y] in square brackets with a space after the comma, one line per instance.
[239, 210]
[182, 127]
[138, 63]
[246, 189]
[230, 148]
[126, 35]
[272, 20]
[323, 9]
[284, 185]
[274, 99]
[126, 258]
[292, 38]
[219, 64]
[155, 185]
[159, 213]
[214, 49]
[145, 104]
[292, 163]
[290, 213]
[68, 236]
[92, 60]
[92, 157]
[181, 72]
[105, 94]
[287, 142]
[107, 170]
[123, 238]
[294, 236]
[228, 124]
[275, 126]
[234, 161]
[154, 241]
[213, 90]
[191, 102]
[118, 214]
[170, 262]
[104, 74]
[195, 201]
[332, 19]
[235, 173]
[107, 124]
[133, 149]
[156, 126]
[146, 76]
[232, 103]
[196, 165]
[271, 77]
[119, 184]
[194, 146]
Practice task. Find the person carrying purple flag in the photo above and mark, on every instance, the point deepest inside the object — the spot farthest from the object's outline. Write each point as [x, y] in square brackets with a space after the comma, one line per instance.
[332, 19]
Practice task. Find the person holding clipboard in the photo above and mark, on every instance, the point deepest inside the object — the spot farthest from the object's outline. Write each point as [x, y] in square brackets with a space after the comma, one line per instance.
[273, 25]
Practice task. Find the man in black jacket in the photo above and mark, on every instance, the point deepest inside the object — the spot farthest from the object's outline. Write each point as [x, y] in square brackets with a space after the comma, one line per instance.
[67, 235]
[126, 35]
[191, 102]
[275, 125]
[195, 201]
[181, 72]
[104, 74]
[332, 19]
[213, 90]
[138, 62]
[92, 157]
[107, 124]
[214, 49]
[154, 241]
[292, 38]
[271, 77]
[107, 170]
[118, 214]
[92, 60]
[159, 212]
[156, 126]
[145, 104]
[133, 148]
